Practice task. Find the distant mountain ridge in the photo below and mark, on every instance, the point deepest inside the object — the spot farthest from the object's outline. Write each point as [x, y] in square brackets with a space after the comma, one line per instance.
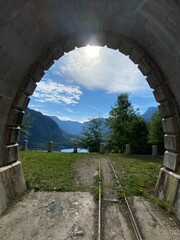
[51, 128]
[149, 113]
[71, 127]
[74, 127]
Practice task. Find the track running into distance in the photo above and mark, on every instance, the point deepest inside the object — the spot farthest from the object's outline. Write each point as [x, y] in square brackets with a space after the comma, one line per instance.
[113, 220]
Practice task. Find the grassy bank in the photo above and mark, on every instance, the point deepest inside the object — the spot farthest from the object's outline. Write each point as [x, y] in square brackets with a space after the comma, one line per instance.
[138, 174]
[55, 171]
[49, 171]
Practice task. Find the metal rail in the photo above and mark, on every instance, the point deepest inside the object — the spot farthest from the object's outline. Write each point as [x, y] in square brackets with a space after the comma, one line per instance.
[99, 210]
[133, 221]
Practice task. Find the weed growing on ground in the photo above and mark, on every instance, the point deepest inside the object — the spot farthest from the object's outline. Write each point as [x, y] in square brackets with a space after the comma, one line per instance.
[165, 205]
[138, 174]
[95, 188]
[95, 192]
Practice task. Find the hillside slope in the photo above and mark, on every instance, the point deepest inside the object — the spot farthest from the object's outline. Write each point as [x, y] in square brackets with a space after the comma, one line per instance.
[71, 127]
[148, 113]
[43, 130]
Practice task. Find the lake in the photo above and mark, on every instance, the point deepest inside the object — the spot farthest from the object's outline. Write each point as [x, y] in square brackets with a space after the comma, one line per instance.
[80, 150]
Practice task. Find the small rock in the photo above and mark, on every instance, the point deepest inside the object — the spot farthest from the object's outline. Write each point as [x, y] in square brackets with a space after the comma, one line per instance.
[53, 208]
[76, 205]
[77, 231]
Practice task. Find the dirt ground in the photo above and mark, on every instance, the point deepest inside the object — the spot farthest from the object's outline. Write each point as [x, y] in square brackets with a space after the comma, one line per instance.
[87, 170]
[50, 215]
[155, 223]
[73, 215]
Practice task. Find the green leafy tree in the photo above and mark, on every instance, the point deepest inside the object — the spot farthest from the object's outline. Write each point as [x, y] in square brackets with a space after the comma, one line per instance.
[92, 135]
[26, 125]
[138, 136]
[156, 134]
[121, 117]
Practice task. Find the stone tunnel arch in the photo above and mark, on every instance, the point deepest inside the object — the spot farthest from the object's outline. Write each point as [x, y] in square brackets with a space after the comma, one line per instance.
[15, 95]
[146, 65]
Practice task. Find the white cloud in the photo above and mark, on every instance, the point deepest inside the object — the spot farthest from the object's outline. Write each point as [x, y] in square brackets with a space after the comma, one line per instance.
[54, 92]
[75, 118]
[34, 106]
[69, 110]
[103, 69]
[52, 113]
[108, 70]
[65, 118]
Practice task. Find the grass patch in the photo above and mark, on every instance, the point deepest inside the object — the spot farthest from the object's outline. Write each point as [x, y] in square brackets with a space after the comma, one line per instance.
[95, 190]
[165, 205]
[49, 171]
[55, 171]
[138, 174]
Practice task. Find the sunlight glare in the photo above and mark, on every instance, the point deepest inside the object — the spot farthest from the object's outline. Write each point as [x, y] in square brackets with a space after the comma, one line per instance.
[92, 51]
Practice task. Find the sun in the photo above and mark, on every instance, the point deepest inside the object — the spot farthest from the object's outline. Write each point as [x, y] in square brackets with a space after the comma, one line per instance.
[92, 51]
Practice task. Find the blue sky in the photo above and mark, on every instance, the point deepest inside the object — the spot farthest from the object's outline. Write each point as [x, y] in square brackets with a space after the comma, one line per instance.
[85, 83]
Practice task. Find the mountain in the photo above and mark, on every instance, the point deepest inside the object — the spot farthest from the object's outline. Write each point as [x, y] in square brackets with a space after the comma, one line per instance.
[71, 127]
[43, 130]
[75, 128]
[148, 113]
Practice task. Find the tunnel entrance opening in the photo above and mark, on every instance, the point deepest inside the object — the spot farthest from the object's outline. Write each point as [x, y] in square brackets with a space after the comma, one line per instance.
[29, 46]
[83, 85]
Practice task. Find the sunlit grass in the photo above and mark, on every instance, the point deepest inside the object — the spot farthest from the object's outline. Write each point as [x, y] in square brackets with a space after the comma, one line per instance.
[55, 171]
[138, 174]
[49, 171]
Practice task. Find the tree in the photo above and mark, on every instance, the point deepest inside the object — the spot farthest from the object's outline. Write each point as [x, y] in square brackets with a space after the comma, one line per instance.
[120, 120]
[156, 134]
[26, 125]
[92, 135]
[138, 136]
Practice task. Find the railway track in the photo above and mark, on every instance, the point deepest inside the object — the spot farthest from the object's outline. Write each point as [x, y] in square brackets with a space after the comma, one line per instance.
[102, 200]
